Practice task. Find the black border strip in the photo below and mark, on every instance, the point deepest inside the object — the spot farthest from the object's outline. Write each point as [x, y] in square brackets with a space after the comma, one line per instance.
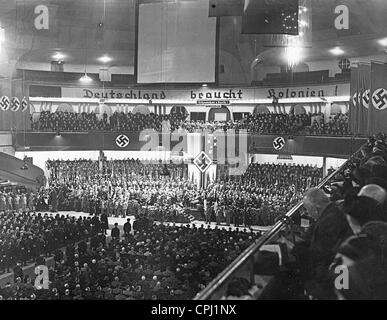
[136, 21]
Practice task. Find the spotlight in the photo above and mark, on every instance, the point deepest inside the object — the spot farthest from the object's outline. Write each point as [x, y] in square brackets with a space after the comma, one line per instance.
[58, 56]
[337, 51]
[383, 42]
[85, 79]
[105, 59]
[293, 55]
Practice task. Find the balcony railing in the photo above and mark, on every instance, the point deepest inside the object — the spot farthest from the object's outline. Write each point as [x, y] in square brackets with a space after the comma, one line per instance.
[243, 266]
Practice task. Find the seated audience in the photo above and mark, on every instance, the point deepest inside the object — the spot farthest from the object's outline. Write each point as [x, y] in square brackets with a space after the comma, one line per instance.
[268, 123]
[163, 263]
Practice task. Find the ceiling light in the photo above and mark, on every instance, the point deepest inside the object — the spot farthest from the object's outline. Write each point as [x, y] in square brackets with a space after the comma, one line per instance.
[204, 85]
[58, 56]
[85, 78]
[337, 51]
[383, 42]
[105, 59]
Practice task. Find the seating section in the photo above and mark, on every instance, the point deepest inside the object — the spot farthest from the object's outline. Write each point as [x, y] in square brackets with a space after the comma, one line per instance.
[271, 123]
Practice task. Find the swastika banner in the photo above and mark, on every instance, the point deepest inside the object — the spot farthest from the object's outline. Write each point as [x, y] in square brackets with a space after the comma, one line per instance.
[353, 112]
[360, 95]
[377, 111]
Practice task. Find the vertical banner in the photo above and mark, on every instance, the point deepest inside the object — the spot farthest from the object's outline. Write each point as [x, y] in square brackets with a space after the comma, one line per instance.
[353, 112]
[377, 112]
[364, 74]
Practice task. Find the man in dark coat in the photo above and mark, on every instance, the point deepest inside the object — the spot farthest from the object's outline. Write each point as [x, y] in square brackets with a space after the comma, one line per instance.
[18, 272]
[136, 226]
[321, 242]
[104, 222]
[127, 228]
[115, 232]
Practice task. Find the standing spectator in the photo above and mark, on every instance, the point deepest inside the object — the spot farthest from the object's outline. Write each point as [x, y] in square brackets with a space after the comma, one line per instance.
[3, 204]
[115, 232]
[127, 228]
[18, 272]
[23, 202]
[104, 222]
[217, 212]
[9, 202]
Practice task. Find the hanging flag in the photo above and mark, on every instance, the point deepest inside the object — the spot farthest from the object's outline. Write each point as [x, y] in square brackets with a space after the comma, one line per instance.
[353, 112]
[358, 112]
[15, 104]
[377, 111]
[4, 103]
[274, 17]
[219, 8]
[364, 74]
[24, 104]
[304, 37]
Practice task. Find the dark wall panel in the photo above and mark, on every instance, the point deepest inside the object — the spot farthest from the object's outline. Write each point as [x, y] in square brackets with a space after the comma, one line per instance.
[309, 145]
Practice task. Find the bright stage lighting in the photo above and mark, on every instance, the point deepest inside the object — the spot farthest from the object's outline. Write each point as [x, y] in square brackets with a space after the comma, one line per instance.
[293, 55]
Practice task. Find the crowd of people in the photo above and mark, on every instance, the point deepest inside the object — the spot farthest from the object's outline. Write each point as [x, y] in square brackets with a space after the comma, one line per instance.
[261, 195]
[280, 123]
[118, 121]
[338, 126]
[133, 187]
[347, 229]
[268, 123]
[17, 200]
[27, 235]
[346, 236]
[120, 188]
[159, 262]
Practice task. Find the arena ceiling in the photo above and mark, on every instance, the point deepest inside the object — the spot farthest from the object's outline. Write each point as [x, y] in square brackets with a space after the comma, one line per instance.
[76, 33]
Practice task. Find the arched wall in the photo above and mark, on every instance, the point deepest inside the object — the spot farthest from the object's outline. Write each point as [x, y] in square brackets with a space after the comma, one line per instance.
[219, 111]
